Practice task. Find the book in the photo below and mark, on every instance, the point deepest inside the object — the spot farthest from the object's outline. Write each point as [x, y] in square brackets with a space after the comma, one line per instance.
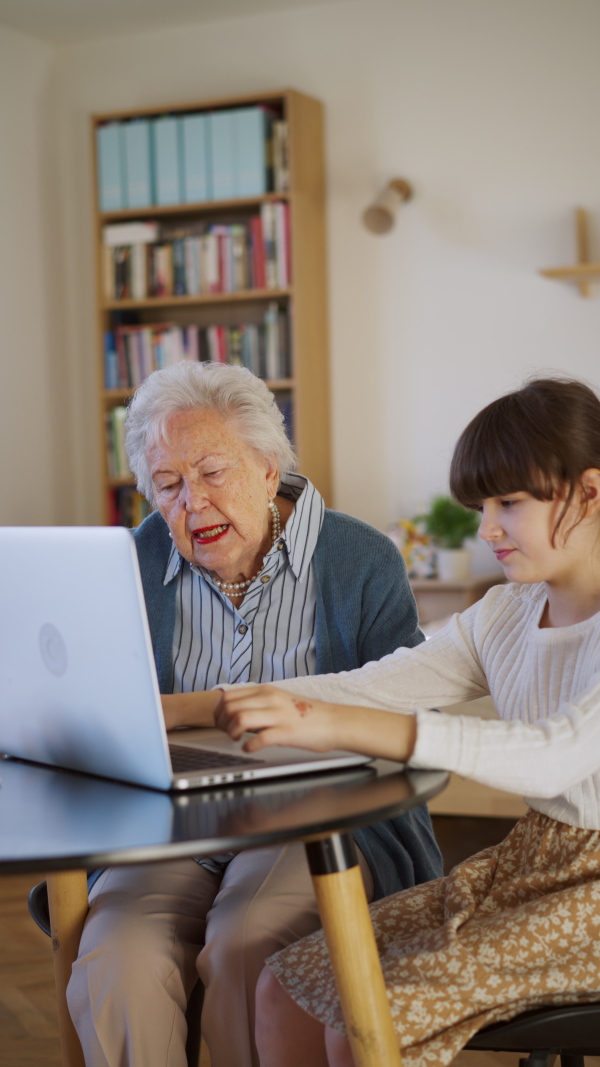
[166, 151]
[196, 163]
[161, 270]
[191, 245]
[138, 264]
[108, 273]
[222, 154]
[257, 253]
[251, 135]
[122, 273]
[138, 163]
[281, 236]
[272, 342]
[111, 167]
[117, 416]
[130, 233]
[111, 361]
[179, 273]
[281, 166]
[209, 263]
[269, 236]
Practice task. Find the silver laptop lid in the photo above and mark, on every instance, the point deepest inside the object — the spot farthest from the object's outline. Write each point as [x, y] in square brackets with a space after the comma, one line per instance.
[78, 686]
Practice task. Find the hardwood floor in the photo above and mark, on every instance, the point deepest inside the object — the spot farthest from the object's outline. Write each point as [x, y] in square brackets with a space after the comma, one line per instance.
[28, 1020]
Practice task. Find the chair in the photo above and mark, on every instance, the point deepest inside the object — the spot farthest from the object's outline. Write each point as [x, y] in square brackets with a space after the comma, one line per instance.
[40, 913]
[571, 1031]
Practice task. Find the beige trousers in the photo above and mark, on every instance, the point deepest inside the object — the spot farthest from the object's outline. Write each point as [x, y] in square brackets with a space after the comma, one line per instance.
[153, 929]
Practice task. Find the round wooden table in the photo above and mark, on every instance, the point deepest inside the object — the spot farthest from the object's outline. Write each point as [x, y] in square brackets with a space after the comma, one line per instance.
[65, 823]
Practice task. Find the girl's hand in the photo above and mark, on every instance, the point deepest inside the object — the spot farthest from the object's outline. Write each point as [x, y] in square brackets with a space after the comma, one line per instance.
[280, 719]
[283, 718]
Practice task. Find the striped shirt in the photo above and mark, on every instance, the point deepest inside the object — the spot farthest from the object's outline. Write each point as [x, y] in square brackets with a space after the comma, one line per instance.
[271, 634]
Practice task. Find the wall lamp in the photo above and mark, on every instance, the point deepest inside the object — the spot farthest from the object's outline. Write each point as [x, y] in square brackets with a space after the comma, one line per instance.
[379, 217]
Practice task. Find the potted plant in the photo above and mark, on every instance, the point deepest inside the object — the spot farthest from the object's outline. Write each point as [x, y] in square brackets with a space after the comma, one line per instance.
[449, 525]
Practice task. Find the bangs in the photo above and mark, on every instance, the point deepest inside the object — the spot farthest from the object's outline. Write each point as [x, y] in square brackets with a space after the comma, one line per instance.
[498, 454]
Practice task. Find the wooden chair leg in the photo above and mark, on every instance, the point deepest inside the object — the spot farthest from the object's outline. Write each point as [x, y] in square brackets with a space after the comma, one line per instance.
[349, 934]
[68, 904]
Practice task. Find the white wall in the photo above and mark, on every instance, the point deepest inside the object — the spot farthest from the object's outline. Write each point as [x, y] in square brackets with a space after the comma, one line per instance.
[31, 406]
[489, 108]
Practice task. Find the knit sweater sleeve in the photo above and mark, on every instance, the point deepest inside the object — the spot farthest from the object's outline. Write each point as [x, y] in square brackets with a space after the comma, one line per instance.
[542, 759]
[441, 671]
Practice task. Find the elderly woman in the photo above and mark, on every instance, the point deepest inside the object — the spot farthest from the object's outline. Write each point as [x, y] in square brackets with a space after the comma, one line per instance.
[247, 578]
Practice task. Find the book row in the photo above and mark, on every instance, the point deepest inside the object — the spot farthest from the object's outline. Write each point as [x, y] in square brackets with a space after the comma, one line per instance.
[131, 353]
[126, 507]
[118, 468]
[191, 158]
[143, 259]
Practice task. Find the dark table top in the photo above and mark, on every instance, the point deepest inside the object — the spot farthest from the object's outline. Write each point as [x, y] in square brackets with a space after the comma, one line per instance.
[51, 819]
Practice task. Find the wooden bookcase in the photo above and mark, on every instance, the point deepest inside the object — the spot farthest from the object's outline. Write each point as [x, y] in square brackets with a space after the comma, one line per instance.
[305, 299]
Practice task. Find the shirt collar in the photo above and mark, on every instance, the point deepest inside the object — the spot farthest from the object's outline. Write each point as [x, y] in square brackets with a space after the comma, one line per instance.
[300, 534]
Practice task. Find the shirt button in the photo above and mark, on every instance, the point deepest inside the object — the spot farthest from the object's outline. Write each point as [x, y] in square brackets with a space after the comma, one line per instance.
[279, 546]
[265, 578]
[242, 628]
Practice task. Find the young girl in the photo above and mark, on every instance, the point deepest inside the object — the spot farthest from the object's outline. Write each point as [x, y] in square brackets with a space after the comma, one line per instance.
[517, 925]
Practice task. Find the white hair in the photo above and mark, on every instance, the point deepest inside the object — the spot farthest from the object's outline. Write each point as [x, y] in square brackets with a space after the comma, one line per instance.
[232, 391]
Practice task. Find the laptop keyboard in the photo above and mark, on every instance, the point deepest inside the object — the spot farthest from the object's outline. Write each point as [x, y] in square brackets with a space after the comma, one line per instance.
[200, 759]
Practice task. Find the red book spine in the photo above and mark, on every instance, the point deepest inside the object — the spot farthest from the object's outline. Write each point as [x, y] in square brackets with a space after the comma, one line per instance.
[222, 344]
[258, 253]
[114, 519]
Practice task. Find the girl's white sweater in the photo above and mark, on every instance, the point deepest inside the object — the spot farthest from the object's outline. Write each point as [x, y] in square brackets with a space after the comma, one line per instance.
[545, 684]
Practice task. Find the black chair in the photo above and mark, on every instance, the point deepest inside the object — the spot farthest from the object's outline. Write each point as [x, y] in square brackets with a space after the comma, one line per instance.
[571, 1032]
[40, 913]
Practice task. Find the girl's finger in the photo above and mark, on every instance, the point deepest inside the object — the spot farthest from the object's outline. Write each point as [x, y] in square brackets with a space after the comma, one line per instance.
[244, 721]
[264, 738]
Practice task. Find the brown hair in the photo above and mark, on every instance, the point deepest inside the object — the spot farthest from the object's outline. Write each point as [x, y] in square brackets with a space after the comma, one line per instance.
[538, 440]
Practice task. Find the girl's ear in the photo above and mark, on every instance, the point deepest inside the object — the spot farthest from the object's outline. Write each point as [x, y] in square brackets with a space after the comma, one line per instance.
[590, 491]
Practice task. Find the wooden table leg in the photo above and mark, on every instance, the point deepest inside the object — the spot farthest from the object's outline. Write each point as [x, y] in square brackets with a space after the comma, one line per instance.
[68, 905]
[349, 934]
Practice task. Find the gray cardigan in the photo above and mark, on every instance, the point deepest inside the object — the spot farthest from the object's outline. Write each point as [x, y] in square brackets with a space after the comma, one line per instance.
[365, 609]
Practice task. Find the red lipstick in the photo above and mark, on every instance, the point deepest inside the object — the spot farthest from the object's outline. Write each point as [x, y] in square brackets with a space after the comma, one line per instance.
[207, 535]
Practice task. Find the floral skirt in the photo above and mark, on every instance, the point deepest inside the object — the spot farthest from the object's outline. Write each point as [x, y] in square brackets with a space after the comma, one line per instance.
[512, 928]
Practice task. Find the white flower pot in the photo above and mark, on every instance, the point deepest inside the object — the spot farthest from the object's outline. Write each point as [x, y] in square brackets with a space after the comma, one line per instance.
[453, 564]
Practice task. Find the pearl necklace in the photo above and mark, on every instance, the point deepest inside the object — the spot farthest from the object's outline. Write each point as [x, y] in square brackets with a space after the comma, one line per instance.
[237, 589]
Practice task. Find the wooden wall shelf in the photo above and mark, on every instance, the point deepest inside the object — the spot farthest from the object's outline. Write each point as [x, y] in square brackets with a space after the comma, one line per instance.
[583, 272]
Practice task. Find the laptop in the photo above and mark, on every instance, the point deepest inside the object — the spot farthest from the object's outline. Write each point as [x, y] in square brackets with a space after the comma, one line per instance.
[78, 684]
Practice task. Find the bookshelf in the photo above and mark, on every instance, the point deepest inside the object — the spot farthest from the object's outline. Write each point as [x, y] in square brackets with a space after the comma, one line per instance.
[302, 303]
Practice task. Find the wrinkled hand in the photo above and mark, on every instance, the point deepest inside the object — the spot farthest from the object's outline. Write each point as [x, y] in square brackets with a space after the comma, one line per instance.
[279, 717]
